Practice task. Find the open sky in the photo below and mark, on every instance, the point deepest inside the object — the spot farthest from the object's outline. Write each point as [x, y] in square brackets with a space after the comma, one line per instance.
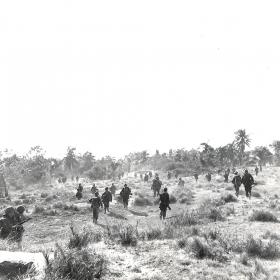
[114, 77]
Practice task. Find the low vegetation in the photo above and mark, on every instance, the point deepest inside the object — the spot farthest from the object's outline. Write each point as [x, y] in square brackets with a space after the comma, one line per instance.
[263, 216]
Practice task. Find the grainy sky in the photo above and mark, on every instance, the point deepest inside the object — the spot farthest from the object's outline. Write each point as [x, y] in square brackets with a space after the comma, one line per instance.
[119, 76]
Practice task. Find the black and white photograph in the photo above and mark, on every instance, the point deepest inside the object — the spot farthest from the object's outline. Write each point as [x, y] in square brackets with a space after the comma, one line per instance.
[139, 140]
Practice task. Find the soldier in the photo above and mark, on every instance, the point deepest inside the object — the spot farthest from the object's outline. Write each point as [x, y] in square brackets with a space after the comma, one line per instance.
[176, 174]
[79, 193]
[168, 175]
[257, 170]
[260, 168]
[208, 177]
[181, 182]
[113, 190]
[106, 199]
[247, 181]
[226, 176]
[196, 176]
[156, 186]
[146, 178]
[7, 222]
[164, 204]
[59, 180]
[96, 203]
[141, 177]
[237, 181]
[93, 189]
[150, 174]
[77, 179]
[124, 194]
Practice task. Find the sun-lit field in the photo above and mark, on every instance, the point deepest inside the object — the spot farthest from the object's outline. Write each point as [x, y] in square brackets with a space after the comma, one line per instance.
[208, 234]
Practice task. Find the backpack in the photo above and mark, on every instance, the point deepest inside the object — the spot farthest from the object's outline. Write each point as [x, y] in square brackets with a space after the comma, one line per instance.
[238, 180]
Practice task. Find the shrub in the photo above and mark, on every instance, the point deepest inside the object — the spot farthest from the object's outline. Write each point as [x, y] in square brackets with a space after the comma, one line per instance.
[49, 198]
[184, 219]
[256, 248]
[263, 216]
[256, 194]
[215, 214]
[142, 201]
[200, 249]
[23, 196]
[38, 209]
[269, 235]
[78, 240]
[75, 264]
[244, 259]
[182, 243]
[153, 233]
[229, 198]
[127, 235]
[50, 212]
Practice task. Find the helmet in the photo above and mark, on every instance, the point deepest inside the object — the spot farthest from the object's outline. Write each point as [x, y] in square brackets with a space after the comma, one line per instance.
[21, 209]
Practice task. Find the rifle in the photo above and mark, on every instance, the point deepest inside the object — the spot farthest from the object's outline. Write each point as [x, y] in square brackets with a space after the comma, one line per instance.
[23, 222]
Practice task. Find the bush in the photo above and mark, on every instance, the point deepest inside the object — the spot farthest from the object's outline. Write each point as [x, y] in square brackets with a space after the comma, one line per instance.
[49, 198]
[263, 216]
[229, 198]
[38, 209]
[75, 264]
[78, 240]
[256, 194]
[127, 235]
[256, 248]
[142, 201]
[272, 236]
[172, 199]
[153, 233]
[244, 259]
[184, 219]
[215, 214]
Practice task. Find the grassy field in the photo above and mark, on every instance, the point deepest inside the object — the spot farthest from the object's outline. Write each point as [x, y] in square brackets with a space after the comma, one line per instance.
[209, 234]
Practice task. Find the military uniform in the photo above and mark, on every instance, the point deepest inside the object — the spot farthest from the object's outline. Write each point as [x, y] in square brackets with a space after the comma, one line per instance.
[106, 199]
[164, 204]
[96, 203]
[156, 186]
[248, 181]
[237, 181]
[125, 193]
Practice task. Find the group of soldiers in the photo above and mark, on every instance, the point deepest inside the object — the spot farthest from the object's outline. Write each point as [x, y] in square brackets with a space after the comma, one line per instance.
[104, 200]
[11, 224]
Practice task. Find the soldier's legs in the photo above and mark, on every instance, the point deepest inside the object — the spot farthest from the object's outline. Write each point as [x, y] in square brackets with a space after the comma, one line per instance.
[236, 190]
[247, 191]
[95, 214]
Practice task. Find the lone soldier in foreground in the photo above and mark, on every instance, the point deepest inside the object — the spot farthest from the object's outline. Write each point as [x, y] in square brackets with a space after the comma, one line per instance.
[248, 181]
[125, 193]
[156, 186]
[106, 199]
[164, 204]
[96, 203]
[257, 170]
[237, 181]
[146, 178]
[196, 176]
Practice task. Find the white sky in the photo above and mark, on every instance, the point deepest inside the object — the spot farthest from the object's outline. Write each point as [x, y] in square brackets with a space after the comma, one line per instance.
[114, 77]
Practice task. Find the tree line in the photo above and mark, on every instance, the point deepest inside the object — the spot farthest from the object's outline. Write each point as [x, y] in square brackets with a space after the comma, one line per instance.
[35, 167]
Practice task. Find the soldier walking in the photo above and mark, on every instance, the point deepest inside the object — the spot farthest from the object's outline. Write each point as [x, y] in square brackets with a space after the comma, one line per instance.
[248, 181]
[96, 203]
[125, 194]
[237, 181]
[106, 199]
[156, 186]
[164, 204]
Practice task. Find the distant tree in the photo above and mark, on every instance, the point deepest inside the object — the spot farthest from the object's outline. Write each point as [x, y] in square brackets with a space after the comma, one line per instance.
[70, 160]
[264, 154]
[242, 140]
[276, 148]
[86, 162]
[207, 156]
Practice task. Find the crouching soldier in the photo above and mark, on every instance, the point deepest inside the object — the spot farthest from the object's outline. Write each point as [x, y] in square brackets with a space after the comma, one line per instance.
[79, 193]
[237, 181]
[248, 182]
[106, 199]
[96, 203]
[164, 204]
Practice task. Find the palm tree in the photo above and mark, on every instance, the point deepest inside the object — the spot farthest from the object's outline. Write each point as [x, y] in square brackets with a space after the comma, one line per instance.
[242, 140]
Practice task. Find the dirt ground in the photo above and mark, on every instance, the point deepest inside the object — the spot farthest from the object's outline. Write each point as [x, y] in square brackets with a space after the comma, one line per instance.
[156, 259]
